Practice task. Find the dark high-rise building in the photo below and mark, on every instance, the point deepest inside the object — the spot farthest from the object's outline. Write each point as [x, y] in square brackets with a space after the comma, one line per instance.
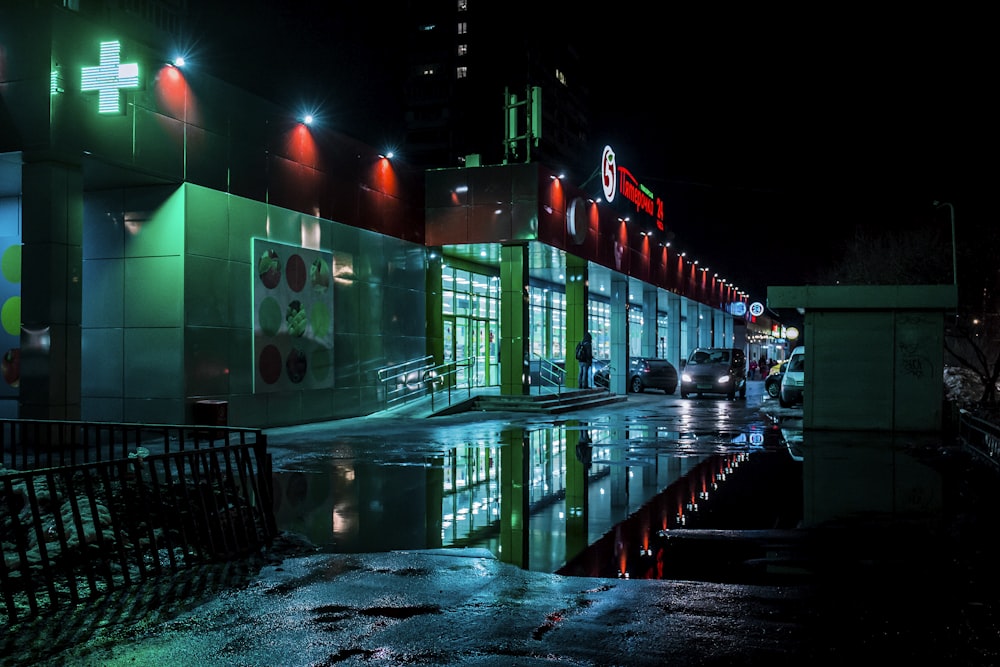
[472, 67]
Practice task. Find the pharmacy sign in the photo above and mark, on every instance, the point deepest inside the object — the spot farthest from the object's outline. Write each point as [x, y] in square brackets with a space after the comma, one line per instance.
[109, 78]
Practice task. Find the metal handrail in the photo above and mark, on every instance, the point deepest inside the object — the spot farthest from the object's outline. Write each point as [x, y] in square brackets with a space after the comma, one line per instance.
[550, 374]
[979, 436]
[396, 369]
[404, 381]
[446, 378]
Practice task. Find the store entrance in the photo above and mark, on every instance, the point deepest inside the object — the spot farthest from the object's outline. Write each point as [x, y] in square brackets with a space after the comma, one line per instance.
[466, 337]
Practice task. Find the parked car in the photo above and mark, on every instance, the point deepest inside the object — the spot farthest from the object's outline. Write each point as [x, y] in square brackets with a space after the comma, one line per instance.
[793, 379]
[772, 383]
[715, 370]
[602, 372]
[644, 373]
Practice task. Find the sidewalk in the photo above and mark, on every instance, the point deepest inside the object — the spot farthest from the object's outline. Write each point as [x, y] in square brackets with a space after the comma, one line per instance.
[931, 598]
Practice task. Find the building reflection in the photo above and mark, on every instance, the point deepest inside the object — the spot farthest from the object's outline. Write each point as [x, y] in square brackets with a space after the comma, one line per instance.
[545, 498]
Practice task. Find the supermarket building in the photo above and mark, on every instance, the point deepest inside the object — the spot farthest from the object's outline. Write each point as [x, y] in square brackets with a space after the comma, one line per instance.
[169, 241]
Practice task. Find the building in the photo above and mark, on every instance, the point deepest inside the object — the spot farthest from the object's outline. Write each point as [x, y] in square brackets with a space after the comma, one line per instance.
[171, 242]
[471, 89]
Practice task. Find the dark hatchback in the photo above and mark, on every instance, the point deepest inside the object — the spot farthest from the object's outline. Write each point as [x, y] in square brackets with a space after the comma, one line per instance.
[715, 370]
[644, 373]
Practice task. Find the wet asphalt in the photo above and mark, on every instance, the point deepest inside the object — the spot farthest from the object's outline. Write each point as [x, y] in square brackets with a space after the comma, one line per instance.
[866, 591]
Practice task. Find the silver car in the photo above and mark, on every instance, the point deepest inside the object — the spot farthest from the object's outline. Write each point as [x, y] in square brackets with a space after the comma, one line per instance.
[793, 382]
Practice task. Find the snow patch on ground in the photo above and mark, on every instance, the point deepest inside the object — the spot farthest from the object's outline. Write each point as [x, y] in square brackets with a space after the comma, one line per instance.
[962, 386]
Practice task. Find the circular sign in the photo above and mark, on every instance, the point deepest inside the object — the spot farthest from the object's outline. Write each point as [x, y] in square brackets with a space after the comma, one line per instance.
[609, 173]
[791, 333]
[756, 309]
[577, 221]
[739, 308]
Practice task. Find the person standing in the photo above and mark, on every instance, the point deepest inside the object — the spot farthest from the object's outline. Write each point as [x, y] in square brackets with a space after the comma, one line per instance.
[585, 355]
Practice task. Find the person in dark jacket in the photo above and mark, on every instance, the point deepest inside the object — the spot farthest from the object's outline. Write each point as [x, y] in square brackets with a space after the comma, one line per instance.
[585, 355]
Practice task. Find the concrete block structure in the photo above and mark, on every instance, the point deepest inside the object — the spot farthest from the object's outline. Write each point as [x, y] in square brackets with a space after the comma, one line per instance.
[874, 354]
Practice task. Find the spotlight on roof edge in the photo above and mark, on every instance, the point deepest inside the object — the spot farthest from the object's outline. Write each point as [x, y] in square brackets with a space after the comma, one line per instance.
[178, 61]
[308, 119]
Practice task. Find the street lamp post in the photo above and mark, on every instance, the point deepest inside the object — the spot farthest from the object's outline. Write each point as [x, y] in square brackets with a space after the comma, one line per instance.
[954, 255]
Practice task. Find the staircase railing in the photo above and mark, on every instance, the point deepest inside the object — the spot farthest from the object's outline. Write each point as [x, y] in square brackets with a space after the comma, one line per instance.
[551, 376]
[444, 381]
[405, 381]
[418, 378]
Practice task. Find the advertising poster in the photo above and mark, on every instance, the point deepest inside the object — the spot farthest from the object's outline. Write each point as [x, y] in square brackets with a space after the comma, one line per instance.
[293, 317]
[10, 316]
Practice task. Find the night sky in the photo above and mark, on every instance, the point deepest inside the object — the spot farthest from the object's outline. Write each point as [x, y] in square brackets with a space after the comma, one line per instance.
[776, 136]
[770, 137]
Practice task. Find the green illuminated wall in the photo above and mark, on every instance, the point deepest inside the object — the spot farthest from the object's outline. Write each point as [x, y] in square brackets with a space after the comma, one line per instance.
[10, 305]
[168, 316]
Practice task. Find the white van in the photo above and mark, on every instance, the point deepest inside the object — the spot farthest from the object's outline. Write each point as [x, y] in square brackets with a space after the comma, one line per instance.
[793, 382]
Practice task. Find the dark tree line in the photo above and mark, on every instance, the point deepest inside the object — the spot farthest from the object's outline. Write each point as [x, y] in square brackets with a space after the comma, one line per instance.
[923, 256]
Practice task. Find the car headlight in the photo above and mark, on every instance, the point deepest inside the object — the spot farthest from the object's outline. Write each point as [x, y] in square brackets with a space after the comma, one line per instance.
[723, 379]
[685, 377]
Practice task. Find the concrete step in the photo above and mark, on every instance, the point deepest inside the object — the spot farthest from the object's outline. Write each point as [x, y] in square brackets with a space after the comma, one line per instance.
[575, 399]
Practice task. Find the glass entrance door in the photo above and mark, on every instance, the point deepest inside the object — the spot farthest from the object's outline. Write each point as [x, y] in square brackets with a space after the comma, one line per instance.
[486, 341]
[471, 313]
[466, 337]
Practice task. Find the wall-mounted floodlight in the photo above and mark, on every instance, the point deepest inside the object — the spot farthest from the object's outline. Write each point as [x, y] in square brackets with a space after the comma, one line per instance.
[308, 119]
[178, 62]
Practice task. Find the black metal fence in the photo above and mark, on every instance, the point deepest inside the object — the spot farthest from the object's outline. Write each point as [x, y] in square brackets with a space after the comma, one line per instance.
[88, 508]
[979, 436]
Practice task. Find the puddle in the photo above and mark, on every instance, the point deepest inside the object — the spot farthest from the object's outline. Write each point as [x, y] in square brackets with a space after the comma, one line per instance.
[606, 498]
[538, 497]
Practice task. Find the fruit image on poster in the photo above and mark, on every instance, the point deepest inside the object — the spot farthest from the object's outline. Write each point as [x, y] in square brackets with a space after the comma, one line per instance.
[10, 316]
[293, 317]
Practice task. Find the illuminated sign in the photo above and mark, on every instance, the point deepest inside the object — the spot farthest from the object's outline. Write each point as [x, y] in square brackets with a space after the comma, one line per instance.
[110, 78]
[616, 180]
[756, 309]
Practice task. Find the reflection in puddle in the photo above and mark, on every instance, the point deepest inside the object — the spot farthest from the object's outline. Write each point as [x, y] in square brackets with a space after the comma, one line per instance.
[599, 500]
[534, 497]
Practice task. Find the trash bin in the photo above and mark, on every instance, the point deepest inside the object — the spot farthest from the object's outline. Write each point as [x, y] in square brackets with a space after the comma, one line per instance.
[211, 413]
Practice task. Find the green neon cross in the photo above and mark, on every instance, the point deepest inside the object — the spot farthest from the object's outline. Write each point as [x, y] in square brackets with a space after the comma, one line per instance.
[110, 78]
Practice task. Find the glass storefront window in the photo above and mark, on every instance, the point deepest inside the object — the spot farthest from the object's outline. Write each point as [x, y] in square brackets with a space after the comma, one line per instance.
[599, 324]
[471, 312]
